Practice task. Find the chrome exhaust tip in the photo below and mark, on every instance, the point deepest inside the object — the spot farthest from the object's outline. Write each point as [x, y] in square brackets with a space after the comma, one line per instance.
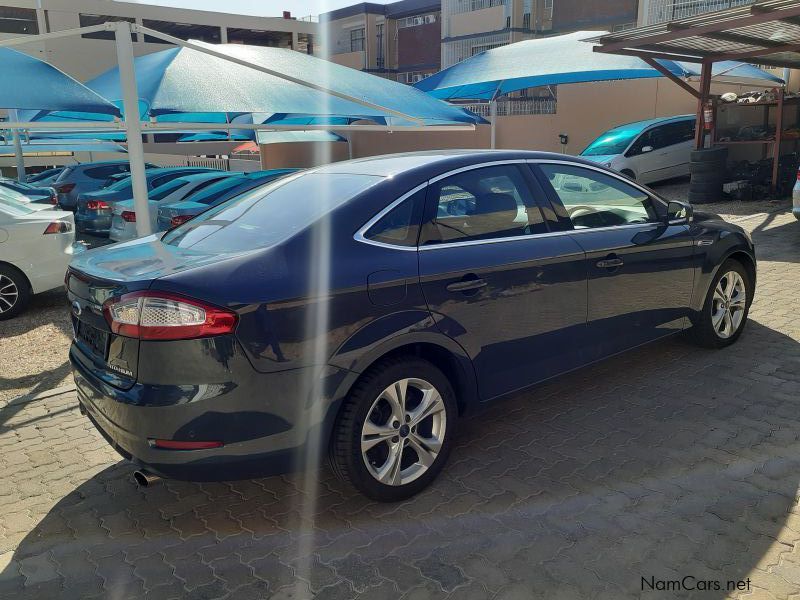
[145, 478]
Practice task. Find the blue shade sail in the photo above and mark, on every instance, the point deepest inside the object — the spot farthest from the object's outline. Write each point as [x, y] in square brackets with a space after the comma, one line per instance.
[181, 83]
[32, 84]
[559, 60]
[61, 145]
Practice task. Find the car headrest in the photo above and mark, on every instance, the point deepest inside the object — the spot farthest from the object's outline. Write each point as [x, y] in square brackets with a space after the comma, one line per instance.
[494, 202]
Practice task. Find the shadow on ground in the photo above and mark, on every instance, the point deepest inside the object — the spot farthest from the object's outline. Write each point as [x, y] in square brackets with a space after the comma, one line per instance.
[667, 462]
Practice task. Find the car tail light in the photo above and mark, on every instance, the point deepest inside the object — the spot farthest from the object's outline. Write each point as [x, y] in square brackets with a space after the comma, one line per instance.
[179, 220]
[129, 216]
[65, 188]
[165, 316]
[179, 445]
[58, 227]
[54, 200]
[798, 174]
[96, 204]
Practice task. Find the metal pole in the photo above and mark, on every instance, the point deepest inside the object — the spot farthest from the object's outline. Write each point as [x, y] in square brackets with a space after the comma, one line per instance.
[705, 90]
[133, 127]
[493, 119]
[15, 134]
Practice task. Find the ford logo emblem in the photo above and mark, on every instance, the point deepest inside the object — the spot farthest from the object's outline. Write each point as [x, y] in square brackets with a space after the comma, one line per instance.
[76, 308]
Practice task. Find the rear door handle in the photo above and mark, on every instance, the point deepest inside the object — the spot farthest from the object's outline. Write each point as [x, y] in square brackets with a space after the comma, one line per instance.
[466, 285]
[610, 263]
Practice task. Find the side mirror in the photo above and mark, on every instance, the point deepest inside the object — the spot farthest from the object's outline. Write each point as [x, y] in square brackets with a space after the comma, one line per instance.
[679, 213]
[646, 149]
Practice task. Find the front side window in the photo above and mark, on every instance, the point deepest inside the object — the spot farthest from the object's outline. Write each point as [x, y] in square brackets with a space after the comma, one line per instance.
[485, 203]
[593, 199]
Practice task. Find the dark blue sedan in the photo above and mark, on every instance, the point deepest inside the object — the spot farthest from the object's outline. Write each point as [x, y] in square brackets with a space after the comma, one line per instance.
[360, 309]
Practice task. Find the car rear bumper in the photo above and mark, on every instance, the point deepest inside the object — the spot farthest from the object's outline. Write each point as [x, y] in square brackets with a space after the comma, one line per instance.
[264, 433]
[92, 223]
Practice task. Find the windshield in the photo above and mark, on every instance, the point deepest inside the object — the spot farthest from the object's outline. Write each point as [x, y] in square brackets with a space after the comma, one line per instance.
[615, 141]
[270, 214]
[165, 190]
[12, 207]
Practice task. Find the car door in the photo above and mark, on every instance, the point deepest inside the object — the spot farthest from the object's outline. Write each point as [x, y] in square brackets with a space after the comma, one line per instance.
[496, 281]
[679, 140]
[640, 268]
[648, 155]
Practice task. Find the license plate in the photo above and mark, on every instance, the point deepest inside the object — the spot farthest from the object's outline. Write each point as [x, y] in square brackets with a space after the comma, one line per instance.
[95, 339]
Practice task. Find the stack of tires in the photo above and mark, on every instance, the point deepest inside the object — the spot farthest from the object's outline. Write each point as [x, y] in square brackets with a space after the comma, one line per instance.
[707, 168]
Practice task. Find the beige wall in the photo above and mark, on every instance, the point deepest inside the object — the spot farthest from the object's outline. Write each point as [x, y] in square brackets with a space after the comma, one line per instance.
[584, 112]
[354, 60]
[477, 21]
[302, 155]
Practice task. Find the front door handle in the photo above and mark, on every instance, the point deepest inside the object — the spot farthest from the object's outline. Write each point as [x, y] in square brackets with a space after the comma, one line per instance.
[466, 285]
[610, 263]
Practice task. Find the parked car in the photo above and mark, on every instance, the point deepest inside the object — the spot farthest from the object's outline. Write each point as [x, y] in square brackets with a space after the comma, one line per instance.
[123, 220]
[362, 308]
[646, 151]
[93, 214]
[796, 198]
[171, 214]
[10, 194]
[46, 177]
[35, 250]
[86, 177]
[45, 195]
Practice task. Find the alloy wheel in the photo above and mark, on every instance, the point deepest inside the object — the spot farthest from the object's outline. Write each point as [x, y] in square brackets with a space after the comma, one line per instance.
[9, 294]
[403, 433]
[728, 304]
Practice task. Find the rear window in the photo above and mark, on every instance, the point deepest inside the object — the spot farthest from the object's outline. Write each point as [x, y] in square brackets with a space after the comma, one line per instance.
[162, 191]
[105, 171]
[11, 207]
[212, 192]
[270, 214]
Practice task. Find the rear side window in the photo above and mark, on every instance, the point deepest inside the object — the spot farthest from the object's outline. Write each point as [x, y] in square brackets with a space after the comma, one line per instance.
[269, 214]
[105, 171]
[399, 226]
[479, 204]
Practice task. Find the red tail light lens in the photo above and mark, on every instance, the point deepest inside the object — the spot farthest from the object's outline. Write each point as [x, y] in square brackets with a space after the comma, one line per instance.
[53, 199]
[65, 188]
[96, 204]
[178, 445]
[129, 216]
[179, 220]
[58, 227]
[165, 316]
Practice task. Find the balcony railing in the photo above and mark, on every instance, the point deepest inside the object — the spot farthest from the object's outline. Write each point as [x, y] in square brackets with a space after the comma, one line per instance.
[659, 11]
[526, 106]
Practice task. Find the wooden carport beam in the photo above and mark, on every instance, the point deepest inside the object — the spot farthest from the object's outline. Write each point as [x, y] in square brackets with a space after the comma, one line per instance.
[725, 36]
[748, 54]
[758, 15]
[671, 76]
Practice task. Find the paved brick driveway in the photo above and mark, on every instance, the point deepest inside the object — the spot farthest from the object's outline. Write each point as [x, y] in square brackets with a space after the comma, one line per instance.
[666, 462]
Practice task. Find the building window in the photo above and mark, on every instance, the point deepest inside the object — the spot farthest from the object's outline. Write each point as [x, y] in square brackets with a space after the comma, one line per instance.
[272, 39]
[184, 31]
[548, 10]
[87, 20]
[623, 26]
[412, 77]
[380, 59]
[416, 21]
[18, 20]
[305, 43]
[483, 48]
[357, 37]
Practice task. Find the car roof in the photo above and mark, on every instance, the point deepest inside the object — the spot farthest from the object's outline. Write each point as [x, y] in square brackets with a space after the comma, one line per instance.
[636, 126]
[432, 162]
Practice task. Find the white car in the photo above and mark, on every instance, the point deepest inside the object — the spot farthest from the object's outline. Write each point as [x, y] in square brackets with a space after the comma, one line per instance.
[646, 151]
[14, 196]
[123, 215]
[35, 249]
[796, 197]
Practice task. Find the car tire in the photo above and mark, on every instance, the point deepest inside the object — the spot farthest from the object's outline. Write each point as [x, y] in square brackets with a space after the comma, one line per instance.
[709, 327]
[713, 155]
[15, 292]
[378, 439]
[706, 169]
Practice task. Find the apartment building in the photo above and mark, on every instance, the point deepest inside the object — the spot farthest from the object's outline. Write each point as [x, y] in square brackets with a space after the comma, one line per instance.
[472, 26]
[399, 41]
[660, 11]
[87, 56]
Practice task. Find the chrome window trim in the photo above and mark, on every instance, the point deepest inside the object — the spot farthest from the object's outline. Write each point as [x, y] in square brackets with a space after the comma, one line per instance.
[359, 235]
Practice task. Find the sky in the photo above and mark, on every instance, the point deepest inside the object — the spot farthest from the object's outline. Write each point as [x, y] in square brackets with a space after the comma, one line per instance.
[265, 8]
